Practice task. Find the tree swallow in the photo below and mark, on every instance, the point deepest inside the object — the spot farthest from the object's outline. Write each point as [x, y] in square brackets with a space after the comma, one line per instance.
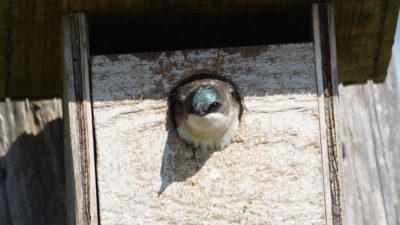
[205, 110]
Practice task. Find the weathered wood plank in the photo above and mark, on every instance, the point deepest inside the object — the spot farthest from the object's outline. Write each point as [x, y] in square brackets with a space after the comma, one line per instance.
[325, 53]
[36, 28]
[52, 50]
[32, 179]
[19, 46]
[365, 35]
[271, 174]
[79, 146]
[370, 135]
[26, 41]
[34, 49]
[386, 40]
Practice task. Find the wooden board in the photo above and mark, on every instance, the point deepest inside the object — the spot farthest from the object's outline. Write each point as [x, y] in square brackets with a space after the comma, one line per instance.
[371, 134]
[365, 36]
[328, 94]
[271, 174]
[78, 127]
[30, 49]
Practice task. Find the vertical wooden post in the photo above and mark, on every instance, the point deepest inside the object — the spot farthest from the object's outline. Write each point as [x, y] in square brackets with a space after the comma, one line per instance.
[79, 143]
[327, 83]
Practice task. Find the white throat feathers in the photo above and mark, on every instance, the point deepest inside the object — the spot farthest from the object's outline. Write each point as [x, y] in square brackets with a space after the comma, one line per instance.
[214, 131]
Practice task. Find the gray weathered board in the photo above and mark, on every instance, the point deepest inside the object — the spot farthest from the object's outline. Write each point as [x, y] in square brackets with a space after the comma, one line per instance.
[271, 174]
[371, 146]
[32, 180]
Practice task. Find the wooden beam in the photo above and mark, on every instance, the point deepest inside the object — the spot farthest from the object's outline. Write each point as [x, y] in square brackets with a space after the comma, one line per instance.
[79, 145]
[31, 34]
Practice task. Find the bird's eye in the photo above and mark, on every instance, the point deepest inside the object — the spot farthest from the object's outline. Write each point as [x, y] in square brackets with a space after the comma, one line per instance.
[214, 105]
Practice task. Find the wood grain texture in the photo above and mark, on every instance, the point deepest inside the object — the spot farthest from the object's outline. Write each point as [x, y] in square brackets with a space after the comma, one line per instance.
[79, 145]
[33, 48]
[365, 35]
[388, 27]
[32, 179]
[271, 174]
[371, 134]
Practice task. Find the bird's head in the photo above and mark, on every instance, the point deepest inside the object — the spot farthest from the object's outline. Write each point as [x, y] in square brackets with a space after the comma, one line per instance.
[206, 110]
[204, 100]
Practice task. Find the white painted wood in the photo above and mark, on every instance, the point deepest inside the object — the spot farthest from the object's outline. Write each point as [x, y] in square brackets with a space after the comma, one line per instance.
[271, 174]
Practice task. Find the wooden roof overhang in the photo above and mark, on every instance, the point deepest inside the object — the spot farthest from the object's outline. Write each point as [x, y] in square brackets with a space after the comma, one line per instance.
[31, 33]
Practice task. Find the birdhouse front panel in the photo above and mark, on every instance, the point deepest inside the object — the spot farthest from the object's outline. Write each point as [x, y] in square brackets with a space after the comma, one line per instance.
[271, 172]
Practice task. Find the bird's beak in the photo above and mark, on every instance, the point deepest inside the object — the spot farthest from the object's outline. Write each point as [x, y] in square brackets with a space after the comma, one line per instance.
[200, 113]
[198, 110]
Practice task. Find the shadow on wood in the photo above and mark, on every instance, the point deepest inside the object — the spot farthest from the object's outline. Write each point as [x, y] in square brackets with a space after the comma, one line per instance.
[180, 161]
[32, 183]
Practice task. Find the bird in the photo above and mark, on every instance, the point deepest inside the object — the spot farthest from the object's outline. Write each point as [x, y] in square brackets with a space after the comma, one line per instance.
[206, 110]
